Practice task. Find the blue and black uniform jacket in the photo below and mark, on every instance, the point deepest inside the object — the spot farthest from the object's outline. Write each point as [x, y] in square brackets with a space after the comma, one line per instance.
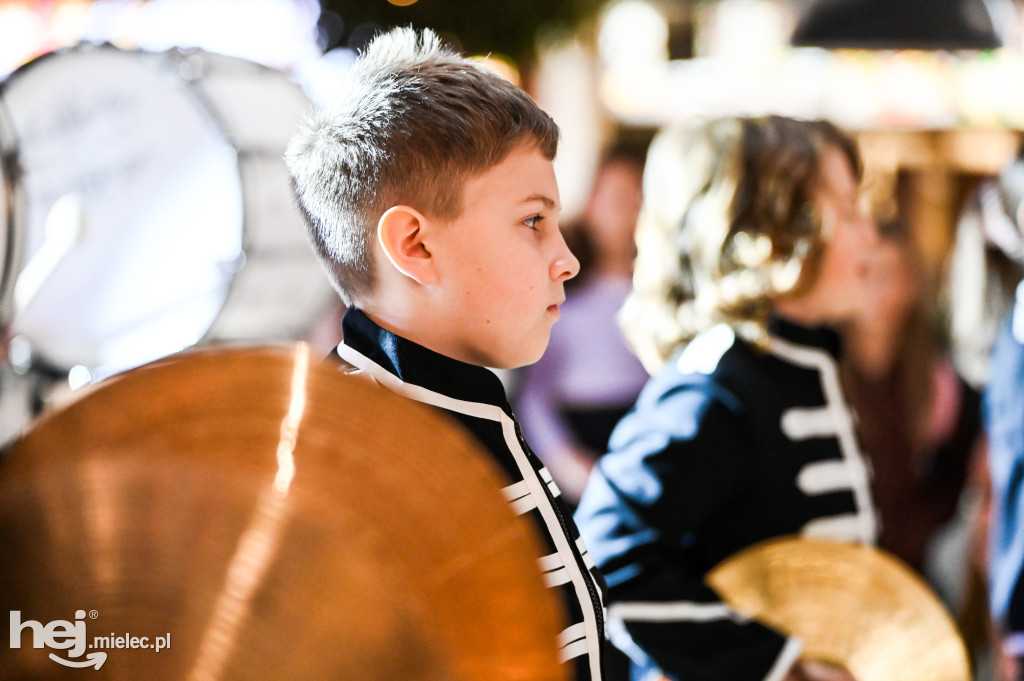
[729, 445]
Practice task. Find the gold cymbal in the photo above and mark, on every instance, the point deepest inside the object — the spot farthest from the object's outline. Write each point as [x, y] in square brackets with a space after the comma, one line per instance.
[854, 605]
[269, 518]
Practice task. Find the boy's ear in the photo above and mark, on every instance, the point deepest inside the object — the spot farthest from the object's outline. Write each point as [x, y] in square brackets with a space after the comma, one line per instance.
[401, 231]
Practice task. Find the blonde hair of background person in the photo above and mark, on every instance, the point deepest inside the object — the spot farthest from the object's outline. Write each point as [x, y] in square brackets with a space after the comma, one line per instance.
[718, 242]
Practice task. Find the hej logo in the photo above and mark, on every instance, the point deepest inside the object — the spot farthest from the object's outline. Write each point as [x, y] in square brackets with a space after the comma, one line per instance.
[60, 635]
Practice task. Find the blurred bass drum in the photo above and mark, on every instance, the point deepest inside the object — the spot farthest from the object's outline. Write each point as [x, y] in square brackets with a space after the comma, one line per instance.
[152, 207]
[10, 244]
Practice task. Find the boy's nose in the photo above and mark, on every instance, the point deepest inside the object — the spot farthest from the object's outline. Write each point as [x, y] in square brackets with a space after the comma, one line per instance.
[565, 266]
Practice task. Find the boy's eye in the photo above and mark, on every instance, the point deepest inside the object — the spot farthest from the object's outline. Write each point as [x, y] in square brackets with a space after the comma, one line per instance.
[532, 222]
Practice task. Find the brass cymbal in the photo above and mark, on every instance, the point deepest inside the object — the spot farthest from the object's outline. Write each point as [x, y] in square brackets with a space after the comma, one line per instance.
[270, 518]
[854, 605]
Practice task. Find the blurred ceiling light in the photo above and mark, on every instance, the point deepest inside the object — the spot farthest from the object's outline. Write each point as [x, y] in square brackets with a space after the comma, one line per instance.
[897, 24]
[402, 3]
[746, 30]
[277, 33]
[68, 21]
[22, 35]
[633, 32]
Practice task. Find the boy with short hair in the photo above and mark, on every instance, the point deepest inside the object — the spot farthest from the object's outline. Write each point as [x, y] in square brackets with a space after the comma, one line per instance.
[431, 200]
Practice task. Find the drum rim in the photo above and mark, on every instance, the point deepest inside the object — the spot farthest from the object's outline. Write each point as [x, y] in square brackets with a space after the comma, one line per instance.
[18, 217]
[11, 170]
[14, 219]
[18, 214]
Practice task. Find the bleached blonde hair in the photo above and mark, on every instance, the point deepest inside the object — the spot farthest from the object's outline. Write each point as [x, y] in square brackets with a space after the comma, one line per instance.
[413, 122]
[729, 224]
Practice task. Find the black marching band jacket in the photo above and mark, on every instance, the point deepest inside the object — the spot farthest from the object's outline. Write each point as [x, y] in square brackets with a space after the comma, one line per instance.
[726, 447]
[475, 397]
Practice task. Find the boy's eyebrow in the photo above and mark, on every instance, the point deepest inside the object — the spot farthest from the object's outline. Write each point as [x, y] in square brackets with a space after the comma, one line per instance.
[546, 200]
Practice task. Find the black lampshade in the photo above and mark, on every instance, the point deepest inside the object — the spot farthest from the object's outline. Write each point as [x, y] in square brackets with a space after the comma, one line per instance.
[897, 24]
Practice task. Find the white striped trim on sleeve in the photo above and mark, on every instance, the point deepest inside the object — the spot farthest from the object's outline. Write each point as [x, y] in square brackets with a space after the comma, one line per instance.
[844, 430]
[572, 642]
[823, 477]
[588, 560]
[805, 423]
[519, 497]
[786, 659]
[846, 527]
[553, 570]
[550, 562]
[678, 611]
[545, 475]
[576, 576]
[682, 611]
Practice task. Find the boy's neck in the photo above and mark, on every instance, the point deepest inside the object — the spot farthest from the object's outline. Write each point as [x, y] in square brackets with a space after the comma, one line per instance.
[367, 341]
[412, 328]
[389, 321]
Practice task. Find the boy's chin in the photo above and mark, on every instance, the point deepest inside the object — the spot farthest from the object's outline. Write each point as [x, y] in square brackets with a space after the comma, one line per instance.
[512, 355]
[518, 361]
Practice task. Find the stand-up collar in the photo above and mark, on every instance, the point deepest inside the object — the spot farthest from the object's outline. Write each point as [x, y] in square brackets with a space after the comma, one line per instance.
[819, 337]
[417, 365]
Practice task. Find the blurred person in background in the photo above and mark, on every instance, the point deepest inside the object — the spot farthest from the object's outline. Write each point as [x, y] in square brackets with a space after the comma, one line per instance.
[1003, 411]
[754, 253]
[920, 427]
[919, 420]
